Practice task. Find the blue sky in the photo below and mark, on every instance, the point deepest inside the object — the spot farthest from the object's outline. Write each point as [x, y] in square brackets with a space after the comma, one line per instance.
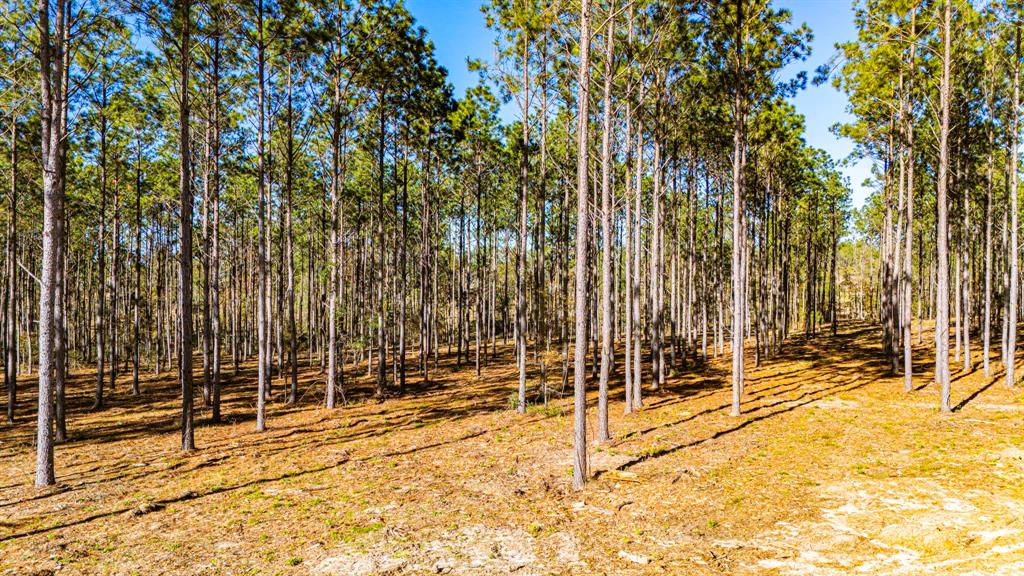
[458, 31]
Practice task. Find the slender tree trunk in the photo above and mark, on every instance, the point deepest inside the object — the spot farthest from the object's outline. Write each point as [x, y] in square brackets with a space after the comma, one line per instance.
[332, 251]
[1011, 332]
[402, 262]
[205, 259]
[543, 325]
[580, 470]
[655, 268]
[185, 237]
[479, 264]
[137, 294]
[262, 309]
[51, 73]
[965, 282]
[606, 233]
[738, 224]
[524, 193]
[101, 258]
[987, 321]
[215, 205]
[289, 256]
[10, 301]
[942, 375]
[634, 305]
[627, 255]
[908, 266]
[382, 264]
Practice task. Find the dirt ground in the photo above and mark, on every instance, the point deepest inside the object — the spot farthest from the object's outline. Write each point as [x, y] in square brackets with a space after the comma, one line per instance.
[832, 469]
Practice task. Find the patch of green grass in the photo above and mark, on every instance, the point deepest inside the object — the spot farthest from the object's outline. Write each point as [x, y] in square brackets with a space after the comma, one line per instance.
[549, 411]
[312, 503]
[712, 523]
[649, 452]
[368, 528]
[294, 561]
[351, 534]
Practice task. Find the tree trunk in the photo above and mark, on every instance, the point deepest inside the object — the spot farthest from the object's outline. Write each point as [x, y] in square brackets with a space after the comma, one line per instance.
[262, 310]
[580, 471]
[738, 225]
[606, 234]
[185, 238]
[942, 376]
[101, 258]
[634, 305]
[51, 73]
[289, 256]
[137, 293]
[332, 251]
[10, 300]
[1011, 332]
[987, 321]
[524, 193]
[215, 204]
[908, 268]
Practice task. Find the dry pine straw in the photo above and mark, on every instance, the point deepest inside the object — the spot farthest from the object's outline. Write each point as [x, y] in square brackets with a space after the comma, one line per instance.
[832, 469]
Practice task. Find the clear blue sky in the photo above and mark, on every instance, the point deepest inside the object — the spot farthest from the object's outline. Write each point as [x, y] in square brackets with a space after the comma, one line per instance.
[458, 31]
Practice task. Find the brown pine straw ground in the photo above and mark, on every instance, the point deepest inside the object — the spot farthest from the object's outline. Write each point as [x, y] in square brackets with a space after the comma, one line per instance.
[831, 470]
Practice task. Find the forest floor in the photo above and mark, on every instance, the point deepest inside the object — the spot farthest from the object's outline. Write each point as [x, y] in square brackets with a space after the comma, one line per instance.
[832, 469]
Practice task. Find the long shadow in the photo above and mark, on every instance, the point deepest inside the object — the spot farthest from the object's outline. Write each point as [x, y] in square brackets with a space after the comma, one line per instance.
[673, 449]
[158, 505]
[963, 403]
[823, 392]
[162, 400]
[865, 365]
[391, 422]
[443, 398]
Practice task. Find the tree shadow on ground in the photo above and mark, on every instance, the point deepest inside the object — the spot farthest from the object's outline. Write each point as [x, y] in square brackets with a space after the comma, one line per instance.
[853, 360]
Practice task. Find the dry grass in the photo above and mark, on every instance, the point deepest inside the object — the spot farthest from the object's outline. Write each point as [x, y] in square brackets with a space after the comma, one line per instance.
[832, 470]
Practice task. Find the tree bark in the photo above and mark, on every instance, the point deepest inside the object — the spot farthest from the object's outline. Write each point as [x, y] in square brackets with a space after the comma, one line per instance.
[606, 233]
[580, 471]
[10, 300]
[524, 193]
[185, 239]
[51, 61]
[738, 225]
[908, 266]
[1011, 332]
[942, 376]
[262, 309]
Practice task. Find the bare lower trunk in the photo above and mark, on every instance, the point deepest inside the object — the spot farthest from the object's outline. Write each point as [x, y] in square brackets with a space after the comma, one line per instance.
[942, 376]
[908, 266]
[185, 239]
[524, 188]
[738, 231]
[51, 64]
[580, 471]
[262, 311]
[10, 300]
[606, 238]
[1011, 328]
